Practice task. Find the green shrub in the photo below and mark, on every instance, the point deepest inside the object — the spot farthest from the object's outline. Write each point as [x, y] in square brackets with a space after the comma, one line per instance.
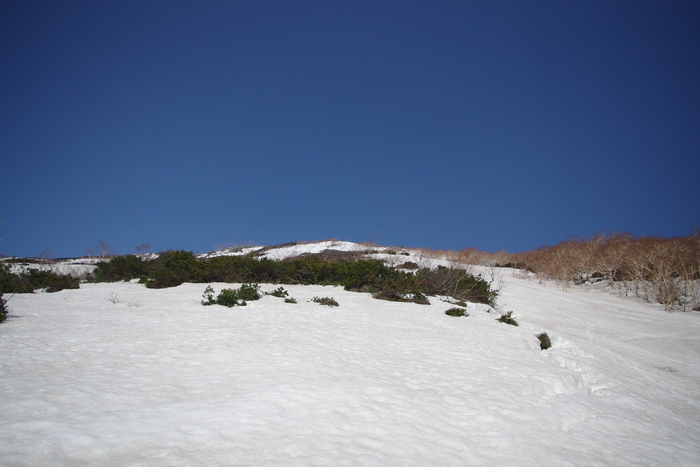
[241, 269]
[53, 282]
[229, 298]
[457, 312]
[7, 279]
[3, 308]
[389, 294]
[328, 301]
[175, 268]
[290, 300]
[419, 298]
[249, 292]
[208, 296]
[279, 292]
[121, 268]
[508, 319]
[388, 283]
[33, 279]
[393, 295]
[232, 297]
[545, 343]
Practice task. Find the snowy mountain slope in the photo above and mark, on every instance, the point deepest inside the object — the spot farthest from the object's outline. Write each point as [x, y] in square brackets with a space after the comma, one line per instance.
[117, 374]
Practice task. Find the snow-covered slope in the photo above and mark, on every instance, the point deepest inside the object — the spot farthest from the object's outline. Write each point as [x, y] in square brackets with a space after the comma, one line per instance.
[117, 374]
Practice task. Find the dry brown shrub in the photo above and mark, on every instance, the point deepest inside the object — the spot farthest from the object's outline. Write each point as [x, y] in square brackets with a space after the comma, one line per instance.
[663, 270]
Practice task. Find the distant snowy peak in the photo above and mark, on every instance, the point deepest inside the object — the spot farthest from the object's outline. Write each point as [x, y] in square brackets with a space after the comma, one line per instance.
[291, 250]
[235, 251]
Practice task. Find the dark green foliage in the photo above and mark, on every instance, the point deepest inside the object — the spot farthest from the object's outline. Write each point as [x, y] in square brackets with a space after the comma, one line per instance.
[457, 312]
[3, 308]
[121, 268]
[290, 300]
[249, 292]
[53, 282]
[371, 276]
[419, 298]
[175, 267]
[279, 292]
[229, 298]
[240, 269]
[508, 319]
[389, 294]
[545, 343]
[7, 279]
[32, 279]
[208, 296]
[393, 295]
[328, 301]
[232, 297]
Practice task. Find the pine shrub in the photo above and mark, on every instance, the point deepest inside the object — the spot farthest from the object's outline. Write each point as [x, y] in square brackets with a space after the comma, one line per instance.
[174, 268]
[328, 301]
[33, 279]
[279, 292]
[121, 268]
[545, 342]
[457, 312]
[232, 297]
[229, 298]
[508, 319]
[384, 282]
[3, 308]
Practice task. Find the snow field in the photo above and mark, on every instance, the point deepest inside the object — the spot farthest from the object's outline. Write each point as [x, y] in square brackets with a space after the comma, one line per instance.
[159, 379]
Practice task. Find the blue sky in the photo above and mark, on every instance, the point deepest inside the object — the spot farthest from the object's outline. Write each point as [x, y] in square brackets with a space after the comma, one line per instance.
[490, 124]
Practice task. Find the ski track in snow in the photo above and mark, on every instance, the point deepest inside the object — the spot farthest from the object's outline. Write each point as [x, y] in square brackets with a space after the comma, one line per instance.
[159, 379]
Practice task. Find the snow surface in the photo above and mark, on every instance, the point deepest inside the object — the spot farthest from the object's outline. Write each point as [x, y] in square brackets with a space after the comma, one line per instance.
[287, 251]
[118, 374]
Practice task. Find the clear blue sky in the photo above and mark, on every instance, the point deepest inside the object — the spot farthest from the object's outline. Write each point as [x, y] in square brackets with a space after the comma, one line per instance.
[493, 124]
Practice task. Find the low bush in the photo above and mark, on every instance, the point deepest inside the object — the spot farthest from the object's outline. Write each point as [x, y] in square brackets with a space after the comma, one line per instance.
[457, 312]
[290, 300]
[249, 292]
[508, 319]
[208, 296]
[419, 298]
[389, 294]
[545, 343]
[232, 297]
[33, 279]
[393, 295]
[328, 301]
[174, 268]
[229, 298]
[279, 292]
[385, 282]
[3, 309]
[121, 268]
